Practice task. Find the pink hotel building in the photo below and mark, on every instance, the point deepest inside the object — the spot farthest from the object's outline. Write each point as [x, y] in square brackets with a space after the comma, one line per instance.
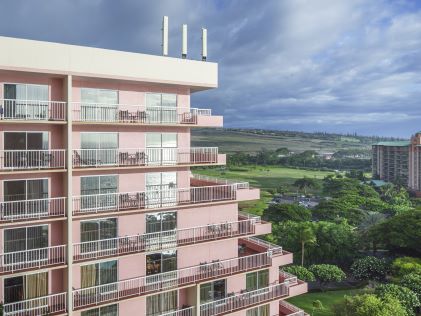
[99, 211]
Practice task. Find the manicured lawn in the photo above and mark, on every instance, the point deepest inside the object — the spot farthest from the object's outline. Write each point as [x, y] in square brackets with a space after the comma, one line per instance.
[328, 299]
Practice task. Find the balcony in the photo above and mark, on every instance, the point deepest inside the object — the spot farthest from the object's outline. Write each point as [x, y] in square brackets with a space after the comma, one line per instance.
[54, 304]
[245, 300]
[287, 309]
[161, 240]
[124, 201]
[14, 160]
[12, 262]
[251, 245]
[139, 114]
[140, 157]
[15, 211]
[296, 286]
[189, 311]
[33, 110]
[130, 288]
[262, 227]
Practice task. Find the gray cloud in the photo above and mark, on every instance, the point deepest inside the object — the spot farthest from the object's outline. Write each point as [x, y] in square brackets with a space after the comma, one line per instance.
[326, 65]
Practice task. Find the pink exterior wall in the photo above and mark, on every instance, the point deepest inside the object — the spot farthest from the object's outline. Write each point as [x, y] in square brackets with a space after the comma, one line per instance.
[200, 216]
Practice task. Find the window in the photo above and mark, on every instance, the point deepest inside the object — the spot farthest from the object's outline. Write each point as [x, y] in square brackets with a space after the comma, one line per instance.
[99, 148]
[161, 108]
[98, 105]
[161, 303]
[212, 291]
[97, 192]
[161, 148]
[110, 310]
[24, 101]
[257, 280]
[17, 146]
[100, 274]
[25, 287]
[259, 311]
[100, 229]
[161, 189]
[161, 262]
[159, 222]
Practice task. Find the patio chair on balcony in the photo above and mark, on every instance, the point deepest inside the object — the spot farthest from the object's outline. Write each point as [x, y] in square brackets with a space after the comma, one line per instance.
[123, 115]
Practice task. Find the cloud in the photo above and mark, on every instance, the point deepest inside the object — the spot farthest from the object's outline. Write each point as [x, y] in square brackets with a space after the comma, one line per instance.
[334, 65]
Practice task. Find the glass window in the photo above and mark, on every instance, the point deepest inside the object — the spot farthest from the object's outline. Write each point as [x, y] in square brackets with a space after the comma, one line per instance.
[111, 310]
[161, 303]
[98, 229]
[160, 262]
[259, 311]
[159, 222]
[161, 189]
[25, 287]
[99, 274]
[212, 291]
[257, 280]
[161, 108]
[23, 101]
[25, 238]
[102, 185]
[98, 104]
[25, 140]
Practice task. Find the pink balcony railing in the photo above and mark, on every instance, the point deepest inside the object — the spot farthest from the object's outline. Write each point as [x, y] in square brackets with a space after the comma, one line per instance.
[160, 240]
[32, 159]
[287, 309]
[53, 304]
[148, 284]
[97, 203]
[189, 311]
[11, 262]
[144, 156]
[287, 278]
[33, 110]
[123, 113]
[243, 300]
[259, 245]
[11, 211]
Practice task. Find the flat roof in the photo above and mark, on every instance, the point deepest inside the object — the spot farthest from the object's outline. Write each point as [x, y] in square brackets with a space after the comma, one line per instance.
[63, 59]
[397, 143]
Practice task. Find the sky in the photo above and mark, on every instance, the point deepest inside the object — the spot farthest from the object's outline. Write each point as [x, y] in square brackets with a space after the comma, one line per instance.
[348, 66]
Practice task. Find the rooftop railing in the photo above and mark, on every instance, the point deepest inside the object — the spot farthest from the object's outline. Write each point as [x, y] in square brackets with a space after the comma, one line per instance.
[11, 262]
[147, 284]
[270, 247]
[243, 300]
[204, 178]
[123, 113]
[32, 159]
[144, 156]
[160, 240]
[33, 110]
[11, 211]
[45, 305]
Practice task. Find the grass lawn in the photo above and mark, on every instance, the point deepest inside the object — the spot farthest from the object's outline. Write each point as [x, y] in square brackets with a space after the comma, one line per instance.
[328, 299]
[265, 178]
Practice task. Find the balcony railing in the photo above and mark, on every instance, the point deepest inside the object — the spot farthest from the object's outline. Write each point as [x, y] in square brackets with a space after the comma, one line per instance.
[144, 156]
[160, 240]
[287, 278]
[33, 110]
[244, 215]
[122, 113]
[243, 300]
[33, 258]
[268, 246]
[209, 179]
[32, 209]
[46, 305]
[32, 159]
[158, 282]
[153, 199]
[189, 311]
[293, 310]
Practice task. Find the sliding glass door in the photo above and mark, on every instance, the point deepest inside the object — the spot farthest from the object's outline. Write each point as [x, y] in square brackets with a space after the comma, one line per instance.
[98, 149]
[102, 230]
[25, 149]
[161, 189]
[98, 105]
[102, 274]
[161, 148]
[26, 287]
[99, 192]
[26, 101]
[161, 303]
[161, 108]
[162, 230]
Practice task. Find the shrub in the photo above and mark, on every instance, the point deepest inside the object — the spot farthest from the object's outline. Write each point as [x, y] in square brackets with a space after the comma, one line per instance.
[413, 282]
[325, 273]
[369, 268]
[405, 296]
[300, 272]
[406, 265]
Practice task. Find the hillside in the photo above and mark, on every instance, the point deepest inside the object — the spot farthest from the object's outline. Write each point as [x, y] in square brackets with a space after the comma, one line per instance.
[251, 140]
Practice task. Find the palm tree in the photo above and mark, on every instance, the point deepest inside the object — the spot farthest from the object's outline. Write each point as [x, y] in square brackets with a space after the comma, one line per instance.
[306, 235]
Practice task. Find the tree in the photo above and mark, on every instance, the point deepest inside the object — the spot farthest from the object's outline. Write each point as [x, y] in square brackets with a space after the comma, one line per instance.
[306, 236]
[413, 282]
[305, 183]
[405, 296]
[406, 265]
[285, 212]
[300, 272]
[369, 268]
[325, 273]
[369, 305]
[316, 305]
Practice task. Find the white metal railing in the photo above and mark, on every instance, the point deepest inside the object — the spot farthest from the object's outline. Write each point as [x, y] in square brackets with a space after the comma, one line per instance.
[152, 199]
[144, 156]
[189, 311]
[32, 159]
[147, 284]
[238, 184]
[243, 300]
[246, 215]
[124, 113]
[272, 248]
[45, 305]
[32, 258]
[160, 240]
[33, 110]
[288, 278]
[294, 310]
[32, 209]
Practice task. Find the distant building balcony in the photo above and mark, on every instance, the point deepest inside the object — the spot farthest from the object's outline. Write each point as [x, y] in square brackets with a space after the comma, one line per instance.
[130, 288]
[138, 114]
[12, 262]
[92, 250]
[54, 304]
[132, 157]
[198, 193]
[23, 210]
[239, 301]
[18, 160]
[33, 110]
